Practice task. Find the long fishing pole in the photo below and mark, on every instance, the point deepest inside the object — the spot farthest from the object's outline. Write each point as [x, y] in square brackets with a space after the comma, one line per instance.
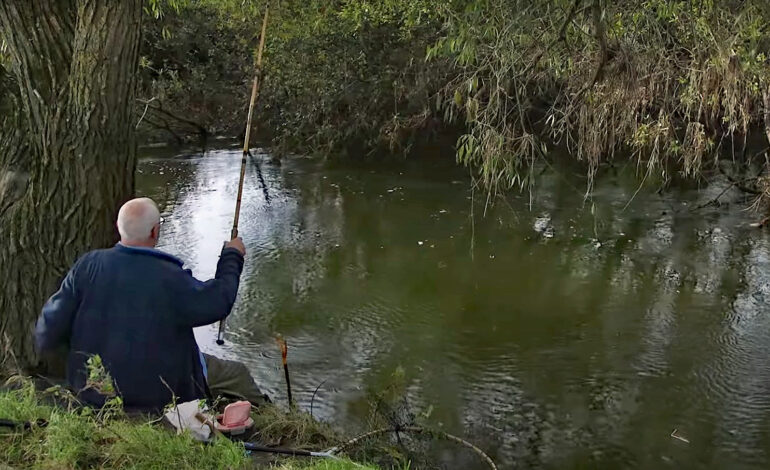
[293, 452]
[252, 447]
[254, 94]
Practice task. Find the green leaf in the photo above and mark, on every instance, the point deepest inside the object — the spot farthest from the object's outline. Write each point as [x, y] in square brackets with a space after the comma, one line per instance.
[458, 98]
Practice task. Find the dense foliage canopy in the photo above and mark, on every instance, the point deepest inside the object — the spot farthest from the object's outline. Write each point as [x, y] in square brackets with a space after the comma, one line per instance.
[674, 83]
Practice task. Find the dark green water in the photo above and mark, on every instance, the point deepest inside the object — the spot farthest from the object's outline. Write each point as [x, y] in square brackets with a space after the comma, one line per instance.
[554, 336]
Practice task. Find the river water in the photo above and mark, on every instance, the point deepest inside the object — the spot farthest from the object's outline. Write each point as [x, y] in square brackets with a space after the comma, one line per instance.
[553, 332]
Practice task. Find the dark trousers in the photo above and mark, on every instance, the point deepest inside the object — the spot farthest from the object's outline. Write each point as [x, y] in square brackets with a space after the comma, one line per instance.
[231, 379]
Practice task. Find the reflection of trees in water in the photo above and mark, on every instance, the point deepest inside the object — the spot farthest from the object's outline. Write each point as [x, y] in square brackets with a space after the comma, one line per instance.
[297, 232]
[558, 346]
[165, 180]
[736, 374]
[649, 305]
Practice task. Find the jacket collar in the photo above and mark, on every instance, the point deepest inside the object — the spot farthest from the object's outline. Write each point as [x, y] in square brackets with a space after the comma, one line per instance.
[149, 251]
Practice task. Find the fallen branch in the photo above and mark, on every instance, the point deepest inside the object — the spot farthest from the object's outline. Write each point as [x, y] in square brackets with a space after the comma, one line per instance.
[715, 200]
[159, 109]
[164, 127]
[738, 183]
[416, 430]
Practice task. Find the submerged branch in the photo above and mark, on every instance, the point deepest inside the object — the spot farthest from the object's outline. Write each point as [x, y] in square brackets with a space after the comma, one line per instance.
[740, 184]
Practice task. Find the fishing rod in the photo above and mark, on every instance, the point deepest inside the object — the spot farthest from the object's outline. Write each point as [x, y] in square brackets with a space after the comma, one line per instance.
[293, 452]
[254, 93]
[252, 447]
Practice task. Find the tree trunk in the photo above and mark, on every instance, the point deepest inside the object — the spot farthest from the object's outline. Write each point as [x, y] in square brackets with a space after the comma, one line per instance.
[67, 154]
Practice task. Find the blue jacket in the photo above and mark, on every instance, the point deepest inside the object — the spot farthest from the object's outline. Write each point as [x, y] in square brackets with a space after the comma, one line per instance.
[136, 308]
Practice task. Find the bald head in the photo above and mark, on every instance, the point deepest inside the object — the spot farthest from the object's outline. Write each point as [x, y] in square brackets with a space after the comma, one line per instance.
[139, 222]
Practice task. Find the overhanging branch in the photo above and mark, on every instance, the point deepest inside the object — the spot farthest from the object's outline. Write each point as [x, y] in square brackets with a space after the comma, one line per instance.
[562, 36]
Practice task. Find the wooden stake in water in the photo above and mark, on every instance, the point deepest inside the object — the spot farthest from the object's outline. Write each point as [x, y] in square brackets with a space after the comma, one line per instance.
[284, 357]
[254, 94]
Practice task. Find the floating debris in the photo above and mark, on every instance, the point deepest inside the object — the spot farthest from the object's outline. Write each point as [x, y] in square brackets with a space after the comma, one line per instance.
[420, 243]
[543, 226]
[675, 435]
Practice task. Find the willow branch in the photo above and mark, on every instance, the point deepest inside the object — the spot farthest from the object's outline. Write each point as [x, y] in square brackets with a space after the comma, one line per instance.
[766, 111]
[601, 37]
[562, 36]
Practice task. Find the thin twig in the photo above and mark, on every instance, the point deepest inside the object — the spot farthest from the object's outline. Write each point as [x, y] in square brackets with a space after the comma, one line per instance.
[173, 402]
[312, 399]
[146, 107]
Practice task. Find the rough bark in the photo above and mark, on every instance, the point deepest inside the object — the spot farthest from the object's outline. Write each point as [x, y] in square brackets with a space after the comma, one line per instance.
[67, 161]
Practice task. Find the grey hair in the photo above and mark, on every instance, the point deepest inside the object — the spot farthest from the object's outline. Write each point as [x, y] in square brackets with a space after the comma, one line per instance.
[137, 218]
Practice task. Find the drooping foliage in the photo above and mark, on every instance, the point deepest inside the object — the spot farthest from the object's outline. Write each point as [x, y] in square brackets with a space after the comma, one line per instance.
[673, 83]
[667, 80]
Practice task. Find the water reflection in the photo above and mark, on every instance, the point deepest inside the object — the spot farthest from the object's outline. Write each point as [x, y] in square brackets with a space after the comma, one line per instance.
[562, 336]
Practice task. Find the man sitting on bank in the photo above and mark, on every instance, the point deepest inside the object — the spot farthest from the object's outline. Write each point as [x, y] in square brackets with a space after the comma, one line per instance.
[136, 308]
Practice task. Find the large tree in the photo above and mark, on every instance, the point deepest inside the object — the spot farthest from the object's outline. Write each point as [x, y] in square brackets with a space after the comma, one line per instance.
[67, 153]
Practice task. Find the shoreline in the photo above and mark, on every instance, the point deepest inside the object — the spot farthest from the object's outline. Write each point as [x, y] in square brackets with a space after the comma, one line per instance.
[67, 435]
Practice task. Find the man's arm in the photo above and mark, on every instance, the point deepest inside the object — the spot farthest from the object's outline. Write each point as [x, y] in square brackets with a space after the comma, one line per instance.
[203, 303]
[55, 323]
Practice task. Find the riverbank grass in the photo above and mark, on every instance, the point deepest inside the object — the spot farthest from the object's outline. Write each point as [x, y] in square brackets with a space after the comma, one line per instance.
[78, 438]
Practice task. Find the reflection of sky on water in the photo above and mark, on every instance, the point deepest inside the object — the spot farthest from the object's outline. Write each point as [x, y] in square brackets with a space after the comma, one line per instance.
[570, 338]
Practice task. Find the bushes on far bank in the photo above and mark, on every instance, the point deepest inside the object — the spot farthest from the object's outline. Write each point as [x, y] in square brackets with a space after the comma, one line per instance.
[669, 85]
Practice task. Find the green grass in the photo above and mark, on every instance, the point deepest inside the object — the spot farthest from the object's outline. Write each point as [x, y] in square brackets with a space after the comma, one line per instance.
[293, 428]
[324, 465]
[81, 439]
